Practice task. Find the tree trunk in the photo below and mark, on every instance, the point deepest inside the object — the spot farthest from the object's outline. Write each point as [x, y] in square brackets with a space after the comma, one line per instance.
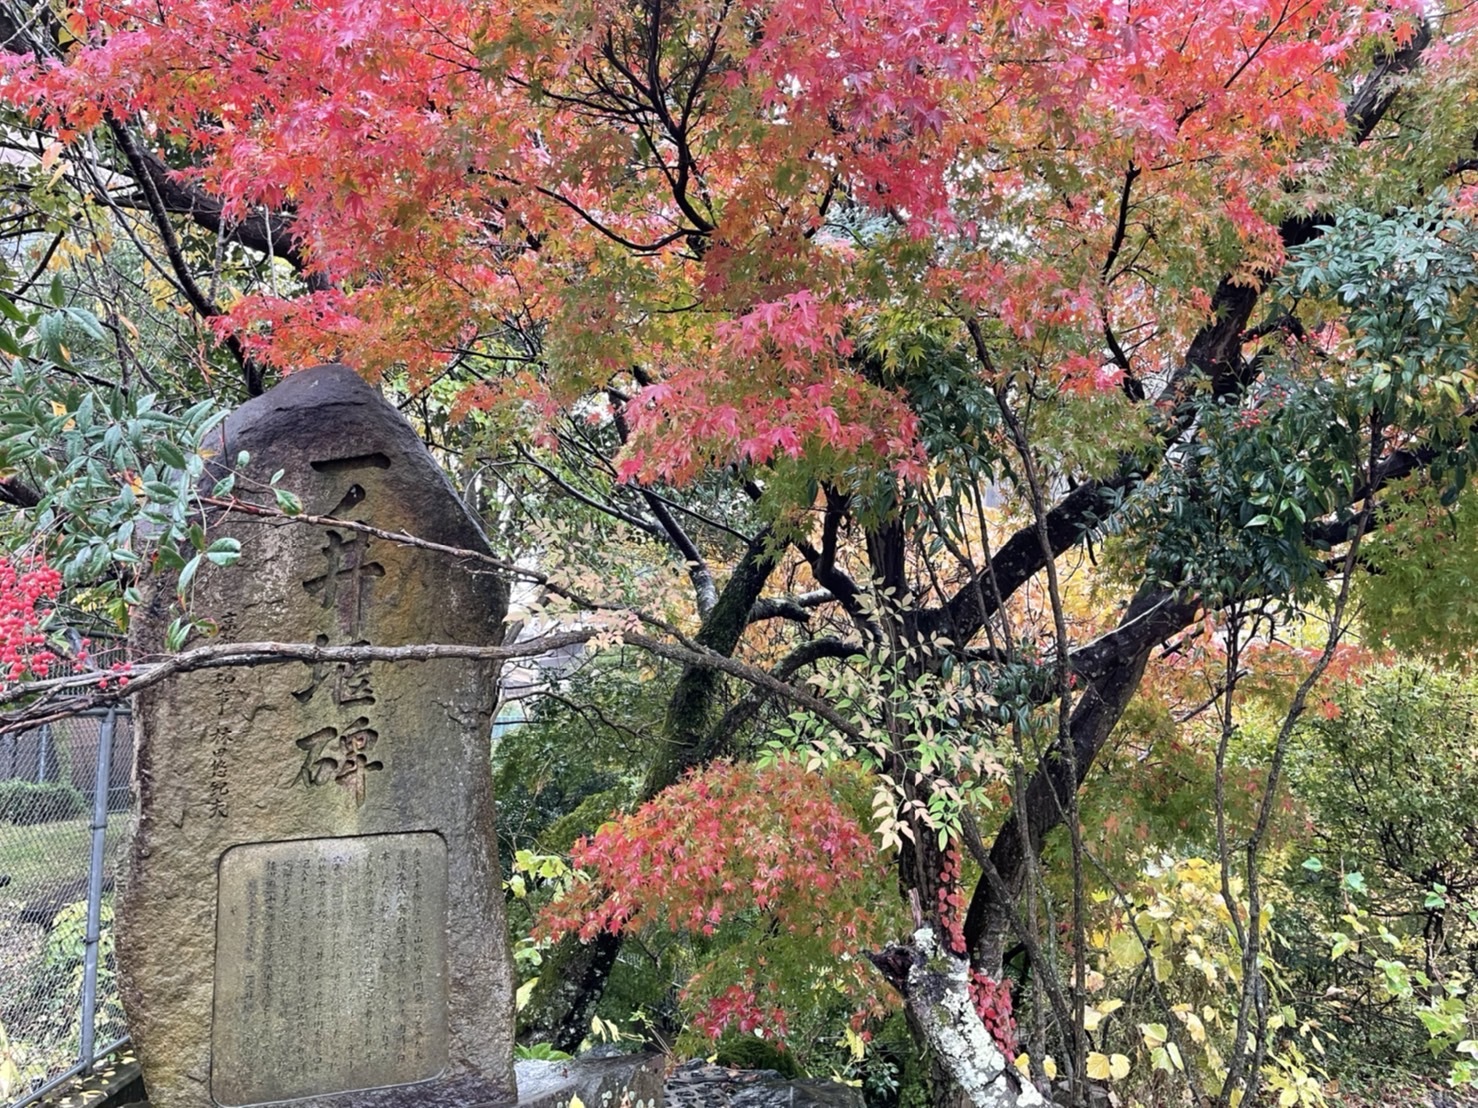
[935, 986]
[1106, 692]
[571, 979]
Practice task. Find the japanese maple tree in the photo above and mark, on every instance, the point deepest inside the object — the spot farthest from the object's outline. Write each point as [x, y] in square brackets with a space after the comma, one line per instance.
[880, 263]
[727, 843]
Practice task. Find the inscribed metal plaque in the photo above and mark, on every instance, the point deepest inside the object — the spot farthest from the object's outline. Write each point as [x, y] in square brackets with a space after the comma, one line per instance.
[330, 967]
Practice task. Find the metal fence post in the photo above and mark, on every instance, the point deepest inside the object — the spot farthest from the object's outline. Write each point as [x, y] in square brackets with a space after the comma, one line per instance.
[95, 885]
[43, 748]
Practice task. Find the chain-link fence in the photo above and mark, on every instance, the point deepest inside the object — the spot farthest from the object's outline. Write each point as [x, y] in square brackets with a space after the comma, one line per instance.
[65, 804]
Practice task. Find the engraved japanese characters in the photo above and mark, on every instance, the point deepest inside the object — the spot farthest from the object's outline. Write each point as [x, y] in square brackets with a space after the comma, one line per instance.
[313, 911]
[294, 959]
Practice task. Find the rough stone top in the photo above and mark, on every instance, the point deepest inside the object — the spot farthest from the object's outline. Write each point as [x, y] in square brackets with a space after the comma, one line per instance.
[333, 421]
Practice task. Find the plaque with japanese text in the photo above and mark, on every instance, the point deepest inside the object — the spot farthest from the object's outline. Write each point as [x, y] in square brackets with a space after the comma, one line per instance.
[330, 967]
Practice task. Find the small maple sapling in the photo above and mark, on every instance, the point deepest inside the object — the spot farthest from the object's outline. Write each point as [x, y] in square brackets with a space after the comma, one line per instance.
[773, 849]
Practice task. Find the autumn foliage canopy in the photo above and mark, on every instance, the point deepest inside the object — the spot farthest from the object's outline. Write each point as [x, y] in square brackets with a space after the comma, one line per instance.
[774, 852]
[730, 220]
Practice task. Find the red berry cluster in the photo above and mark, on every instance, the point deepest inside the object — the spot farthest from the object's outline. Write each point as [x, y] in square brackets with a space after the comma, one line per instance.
[1248, 418]
[993, 1003]
[22, 587]
[118, 672]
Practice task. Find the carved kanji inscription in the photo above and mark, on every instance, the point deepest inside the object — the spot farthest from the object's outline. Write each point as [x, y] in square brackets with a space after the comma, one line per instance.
[344, 583]
[330, 967]
[313, 915]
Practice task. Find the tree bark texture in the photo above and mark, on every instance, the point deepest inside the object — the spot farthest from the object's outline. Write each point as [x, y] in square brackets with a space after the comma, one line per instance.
[935, 986]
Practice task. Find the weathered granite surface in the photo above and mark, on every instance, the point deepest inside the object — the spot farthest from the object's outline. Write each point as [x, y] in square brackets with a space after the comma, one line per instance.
[627, 1081]
[697, 1084]
[312, 908]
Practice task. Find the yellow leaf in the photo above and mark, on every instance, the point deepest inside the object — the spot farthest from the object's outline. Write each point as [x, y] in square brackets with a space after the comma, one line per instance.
[1194, 1025]
[10, 1074]
[1098, 1066]
[575, 1101]
[1049, 1066]
[526, 990]
[1287, 1097]
[1024, 1064]
[1118, 1066]
[1093, 1016]
[1125, 950]
[1154, 1033]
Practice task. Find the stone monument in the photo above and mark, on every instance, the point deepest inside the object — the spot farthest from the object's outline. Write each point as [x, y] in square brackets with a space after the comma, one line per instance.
[312, 910]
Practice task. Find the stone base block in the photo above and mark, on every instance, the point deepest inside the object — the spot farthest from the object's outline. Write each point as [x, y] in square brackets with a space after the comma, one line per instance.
[628, 1081]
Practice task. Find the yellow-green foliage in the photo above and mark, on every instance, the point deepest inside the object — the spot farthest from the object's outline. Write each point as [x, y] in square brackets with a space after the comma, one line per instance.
[1166, 988]
[1388, 966]
[1391, 780]
[1422, 596]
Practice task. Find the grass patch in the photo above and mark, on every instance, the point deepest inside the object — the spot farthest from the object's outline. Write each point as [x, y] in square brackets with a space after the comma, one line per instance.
[40, 857]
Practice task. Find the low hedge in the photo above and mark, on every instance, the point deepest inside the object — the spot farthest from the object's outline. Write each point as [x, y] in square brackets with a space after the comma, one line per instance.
[26, 802]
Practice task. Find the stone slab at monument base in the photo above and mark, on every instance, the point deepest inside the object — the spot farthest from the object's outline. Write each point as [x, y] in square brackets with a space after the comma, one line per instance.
[628, 1081]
